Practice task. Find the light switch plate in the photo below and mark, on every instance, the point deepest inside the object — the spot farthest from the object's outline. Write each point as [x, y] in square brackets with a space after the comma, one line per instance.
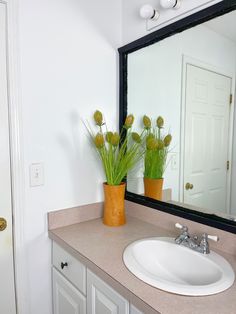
[36, 174]
[174, 161]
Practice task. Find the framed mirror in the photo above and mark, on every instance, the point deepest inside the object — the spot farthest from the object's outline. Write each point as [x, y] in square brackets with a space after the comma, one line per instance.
[186, 73]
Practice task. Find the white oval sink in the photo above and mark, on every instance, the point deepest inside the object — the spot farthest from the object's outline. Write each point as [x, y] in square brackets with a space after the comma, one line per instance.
[162, 263]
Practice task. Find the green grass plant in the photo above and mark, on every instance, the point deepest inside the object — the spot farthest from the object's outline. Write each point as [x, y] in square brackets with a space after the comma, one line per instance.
[157, 148]
[119, 153]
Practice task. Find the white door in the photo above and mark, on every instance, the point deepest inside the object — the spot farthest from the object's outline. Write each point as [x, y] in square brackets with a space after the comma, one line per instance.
[7, 294]
[206, 138]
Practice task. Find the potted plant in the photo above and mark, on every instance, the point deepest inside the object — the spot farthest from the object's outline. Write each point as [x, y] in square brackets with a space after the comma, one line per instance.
[118, 153]
[157, 148]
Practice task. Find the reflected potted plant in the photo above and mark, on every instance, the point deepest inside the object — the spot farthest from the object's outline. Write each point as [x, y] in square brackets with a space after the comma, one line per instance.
[157, 148]
[118, 153]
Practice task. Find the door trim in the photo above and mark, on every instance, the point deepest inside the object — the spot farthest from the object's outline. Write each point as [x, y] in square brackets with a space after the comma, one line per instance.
[187, 60]
[16, 156]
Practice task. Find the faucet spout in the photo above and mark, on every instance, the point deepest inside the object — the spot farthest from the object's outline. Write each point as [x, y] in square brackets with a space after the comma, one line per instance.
[182, 237]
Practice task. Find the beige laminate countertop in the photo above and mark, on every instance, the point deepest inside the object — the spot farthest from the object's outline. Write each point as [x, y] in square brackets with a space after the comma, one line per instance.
[102, 247]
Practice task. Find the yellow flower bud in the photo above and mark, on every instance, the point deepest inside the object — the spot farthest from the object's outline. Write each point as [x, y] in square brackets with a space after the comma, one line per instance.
[115, 139]
[109, 136]
[160, 122]
[98, 118]
[147, 122]
[167, 140]
[99, 140]
[136, 137]
[150, 135]
[152, 143]
[160, 144]
[129, 121]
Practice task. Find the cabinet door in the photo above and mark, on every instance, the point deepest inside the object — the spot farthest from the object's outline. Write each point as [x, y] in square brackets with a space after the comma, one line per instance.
[102, 299]
[134, 310]
[66, 298]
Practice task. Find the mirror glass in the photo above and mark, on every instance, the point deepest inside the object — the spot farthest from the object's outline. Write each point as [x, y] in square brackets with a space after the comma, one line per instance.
[189, 80]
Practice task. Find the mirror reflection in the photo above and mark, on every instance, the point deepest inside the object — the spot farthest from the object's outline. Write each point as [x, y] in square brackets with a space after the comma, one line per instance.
[189, 80]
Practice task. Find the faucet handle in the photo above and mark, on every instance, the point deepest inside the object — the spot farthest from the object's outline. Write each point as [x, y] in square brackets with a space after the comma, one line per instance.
[213, 238]
[204, 242]
[179, 226]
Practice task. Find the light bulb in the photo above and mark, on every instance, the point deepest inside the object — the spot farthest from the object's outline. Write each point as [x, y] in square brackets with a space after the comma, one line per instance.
[147, 12]
[168, 4]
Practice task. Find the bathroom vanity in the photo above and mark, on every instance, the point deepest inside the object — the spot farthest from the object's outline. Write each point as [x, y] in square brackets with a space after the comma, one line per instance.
[76, 289]
[89, 275]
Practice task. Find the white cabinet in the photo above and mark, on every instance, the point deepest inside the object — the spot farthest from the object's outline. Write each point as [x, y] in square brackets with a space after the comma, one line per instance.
[73, 293]
[134, 310]
[70, 267]
[69, 283]
[66, 298]
[102, 299]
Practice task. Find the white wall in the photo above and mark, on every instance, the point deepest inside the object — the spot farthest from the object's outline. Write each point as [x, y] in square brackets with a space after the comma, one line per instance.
[134, 27]
[155, 82]
[68, 69]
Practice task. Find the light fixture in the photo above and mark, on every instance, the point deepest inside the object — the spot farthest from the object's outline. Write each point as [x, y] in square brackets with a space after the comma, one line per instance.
[148, 12]
[170, 4]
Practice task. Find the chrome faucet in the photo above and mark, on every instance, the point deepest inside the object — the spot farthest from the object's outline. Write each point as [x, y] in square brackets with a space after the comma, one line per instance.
[199, 245]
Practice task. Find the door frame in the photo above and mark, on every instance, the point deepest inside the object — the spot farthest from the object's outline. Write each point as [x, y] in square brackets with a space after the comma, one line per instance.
[16, 156]
[187, 60]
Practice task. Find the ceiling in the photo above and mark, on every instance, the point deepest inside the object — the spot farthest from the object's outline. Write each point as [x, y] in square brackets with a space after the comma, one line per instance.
[224, 25]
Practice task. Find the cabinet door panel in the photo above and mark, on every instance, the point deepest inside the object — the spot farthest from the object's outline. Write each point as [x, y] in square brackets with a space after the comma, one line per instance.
[102, 299]
[66, 298]
[134, 310]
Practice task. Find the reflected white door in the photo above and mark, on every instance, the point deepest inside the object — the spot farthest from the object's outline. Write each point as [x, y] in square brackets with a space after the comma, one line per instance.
[206, 138]
[7, 293]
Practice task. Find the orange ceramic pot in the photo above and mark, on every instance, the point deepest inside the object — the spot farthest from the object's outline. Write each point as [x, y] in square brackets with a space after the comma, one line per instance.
[153, 188]
[114, 205]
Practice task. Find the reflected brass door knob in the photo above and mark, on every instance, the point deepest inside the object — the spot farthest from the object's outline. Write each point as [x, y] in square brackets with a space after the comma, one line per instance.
[188, 186]
[3, 224]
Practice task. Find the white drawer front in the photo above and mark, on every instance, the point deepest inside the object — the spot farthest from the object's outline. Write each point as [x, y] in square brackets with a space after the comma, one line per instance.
[70, 267]
[66, 298]
[102, 299]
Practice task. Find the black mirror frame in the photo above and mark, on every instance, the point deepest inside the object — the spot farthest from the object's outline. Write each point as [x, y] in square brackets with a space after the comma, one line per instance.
[174, 28]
